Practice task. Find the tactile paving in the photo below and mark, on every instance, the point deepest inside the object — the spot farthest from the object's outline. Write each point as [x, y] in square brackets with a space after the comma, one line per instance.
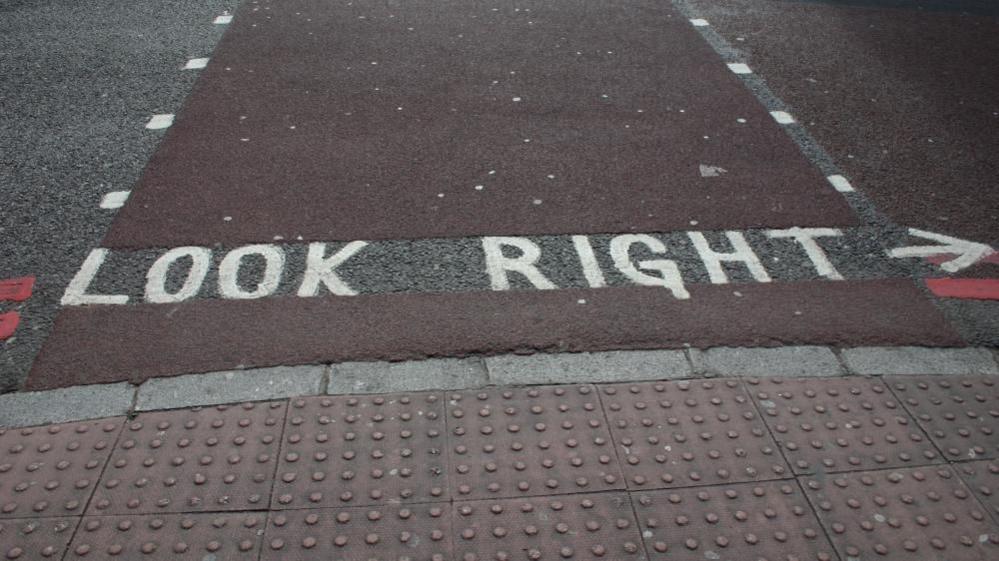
[759, 521]
[202, 459]
[680, 434]
[35, 538]
[840, 424]
[419, 532]
[960, 413]
[585, 526]
[904, 514]
[529, 441]
[983, 479]
[154, 537]
[52, 470]
[344, 451]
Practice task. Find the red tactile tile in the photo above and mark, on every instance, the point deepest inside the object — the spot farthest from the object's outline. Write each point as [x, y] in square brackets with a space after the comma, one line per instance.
[419, 532]
[529, 441]
[202, 459]
[590, 526]
[983, 479]
[679, 434]
[732, 522]
[904, 514]
[840, 424]
[345, 451]
[35, 538]
[52, 470]
[195, 537]
[960, 413]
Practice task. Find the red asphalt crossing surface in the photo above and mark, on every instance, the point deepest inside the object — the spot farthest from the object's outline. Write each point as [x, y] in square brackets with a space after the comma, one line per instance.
[369, 124]
[320, 135]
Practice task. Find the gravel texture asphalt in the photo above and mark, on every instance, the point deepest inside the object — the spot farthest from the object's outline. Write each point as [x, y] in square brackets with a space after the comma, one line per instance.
[80, 80]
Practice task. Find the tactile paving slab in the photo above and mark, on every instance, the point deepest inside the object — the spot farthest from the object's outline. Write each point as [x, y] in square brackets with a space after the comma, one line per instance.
[529, 441]
[52, 470]
[420, 532]
[680, 434]
[201, 459]
[983, 479]
[344, 451]
[960, 413]
[840, 424]
[904, 514]
[584, 526]
[770, 520]
[194, 537]
[35, 538]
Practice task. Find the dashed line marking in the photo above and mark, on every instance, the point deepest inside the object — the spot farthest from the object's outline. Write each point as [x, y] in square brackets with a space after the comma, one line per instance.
[739, 68]
[782, 117]
[8, 324]
[222, 20]
[699, 22]
[160, 121]
[114, 199]
[840, 183]
[196, 64]
[966, 289]
[17, 289]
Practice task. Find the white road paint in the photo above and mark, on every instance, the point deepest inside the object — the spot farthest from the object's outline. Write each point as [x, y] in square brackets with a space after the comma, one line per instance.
[588, 260]
[196, 64]
[669, 273]
[114, 199]
[160, 121]
[806, 239]
[968, 253]
[782, 117]
[698, 22]
[840, 183]
[201, 260]
[739, 68]
[741, 253]
[222, 20]
[232, 264]
[498, 265]
[76, 292]
[320, 269]
[712, 171]
[505, 257]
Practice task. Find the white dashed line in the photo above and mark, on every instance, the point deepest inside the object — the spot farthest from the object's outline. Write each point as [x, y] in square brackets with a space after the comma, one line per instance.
[161, 121]
[698, 22]
[222, 20]
[196, 64]
[739, 68]
[782, 117]
[114, 199]
[840, 183]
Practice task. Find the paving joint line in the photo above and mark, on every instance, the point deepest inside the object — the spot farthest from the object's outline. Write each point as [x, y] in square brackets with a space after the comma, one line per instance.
[915, 420]
[620, 466]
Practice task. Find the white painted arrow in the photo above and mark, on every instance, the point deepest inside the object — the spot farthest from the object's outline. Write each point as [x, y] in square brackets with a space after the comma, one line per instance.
[968, 253]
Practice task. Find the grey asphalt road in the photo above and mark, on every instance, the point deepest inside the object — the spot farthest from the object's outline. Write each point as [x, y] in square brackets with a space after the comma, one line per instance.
[78, 80]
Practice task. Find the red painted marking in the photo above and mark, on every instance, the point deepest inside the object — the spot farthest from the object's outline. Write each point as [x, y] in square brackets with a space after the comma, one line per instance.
[18, 289]
[8, 323]
[942, 258]
[972, 289]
